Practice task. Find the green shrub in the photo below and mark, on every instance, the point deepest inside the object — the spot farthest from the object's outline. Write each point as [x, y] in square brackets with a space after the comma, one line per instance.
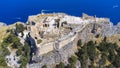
[23, 61]
[116, 62]
[17, 44]
[73, 60]
[4, 44]
[20, 28]
[110, 66]
[61, 65]
[2, 61]
[79, 43]
[39, 41]
[45, 66]
[18, 52]
[92, 66]
[70, 66]
[91, 50]
[25, 57]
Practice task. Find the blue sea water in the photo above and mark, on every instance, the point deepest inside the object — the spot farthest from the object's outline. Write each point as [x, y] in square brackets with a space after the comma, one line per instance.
[19, 10]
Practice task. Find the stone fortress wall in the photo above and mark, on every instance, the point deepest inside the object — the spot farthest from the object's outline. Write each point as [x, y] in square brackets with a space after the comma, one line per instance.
[58, 44]
[53, 52]
[66, 41]
[63, 41]
[46, 48]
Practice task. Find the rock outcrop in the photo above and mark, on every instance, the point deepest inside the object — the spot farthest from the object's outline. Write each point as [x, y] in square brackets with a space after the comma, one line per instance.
[2, 24]
[55, 57]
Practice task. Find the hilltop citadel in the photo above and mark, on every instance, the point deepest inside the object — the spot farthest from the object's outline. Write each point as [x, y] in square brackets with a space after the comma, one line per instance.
[53, 37]
[54, 31]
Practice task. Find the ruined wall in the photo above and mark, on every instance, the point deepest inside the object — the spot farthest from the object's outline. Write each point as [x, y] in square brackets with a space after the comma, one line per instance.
[54, 57]
[66, 41]
[46, 48]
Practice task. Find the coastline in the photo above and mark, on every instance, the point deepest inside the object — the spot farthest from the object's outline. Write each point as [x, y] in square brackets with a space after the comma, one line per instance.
[114, 23]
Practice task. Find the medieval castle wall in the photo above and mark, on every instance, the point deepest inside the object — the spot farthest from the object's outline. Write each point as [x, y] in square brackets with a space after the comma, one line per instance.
[37, 24]
[66, 41]
[46, 48]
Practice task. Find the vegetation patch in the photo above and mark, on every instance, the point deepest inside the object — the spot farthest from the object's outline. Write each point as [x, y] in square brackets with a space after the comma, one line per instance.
[39, 41]
[103, 52]
[20, 28]
[13, 42]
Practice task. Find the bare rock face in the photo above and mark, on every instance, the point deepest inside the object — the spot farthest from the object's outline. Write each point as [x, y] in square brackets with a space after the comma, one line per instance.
[90, 31]
[98, 29]
[55, 57]
[118, 28]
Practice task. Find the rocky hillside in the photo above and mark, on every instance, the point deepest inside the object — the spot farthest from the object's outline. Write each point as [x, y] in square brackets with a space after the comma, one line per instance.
[18, 48]
[100, 46]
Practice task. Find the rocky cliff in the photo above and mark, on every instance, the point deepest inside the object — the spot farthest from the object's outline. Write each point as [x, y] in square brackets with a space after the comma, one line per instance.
[97, 30]
[55, 57]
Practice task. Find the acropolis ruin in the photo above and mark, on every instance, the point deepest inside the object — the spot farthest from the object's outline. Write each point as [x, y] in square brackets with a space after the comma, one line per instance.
[54, 31]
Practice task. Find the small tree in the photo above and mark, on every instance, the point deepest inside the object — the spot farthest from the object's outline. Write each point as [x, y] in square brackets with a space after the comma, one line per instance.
[79, 43]
[92, 66]
[25, 55]
[5, 52]
[58, 22]
[116, 62]
[45, 66]
[2, 61]
[110, 66]
[111, 56]
[105, 38]
[65, 22]
[19, 52]
[97, 36]
[73, 60]
[91, 50]
[70, 66]
[22, 34]
[14, 45]
[23, 60]
[103, 60]
[20, 28]
[27, 51]
[61, 65]
[39, 41]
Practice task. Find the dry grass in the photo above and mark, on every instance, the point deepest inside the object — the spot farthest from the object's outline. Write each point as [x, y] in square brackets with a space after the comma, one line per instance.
[114, 39]
[107, 63]
[3, 33]
[3, 30]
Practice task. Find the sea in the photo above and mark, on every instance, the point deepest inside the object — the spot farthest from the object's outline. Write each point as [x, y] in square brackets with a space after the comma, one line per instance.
[12, 11]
